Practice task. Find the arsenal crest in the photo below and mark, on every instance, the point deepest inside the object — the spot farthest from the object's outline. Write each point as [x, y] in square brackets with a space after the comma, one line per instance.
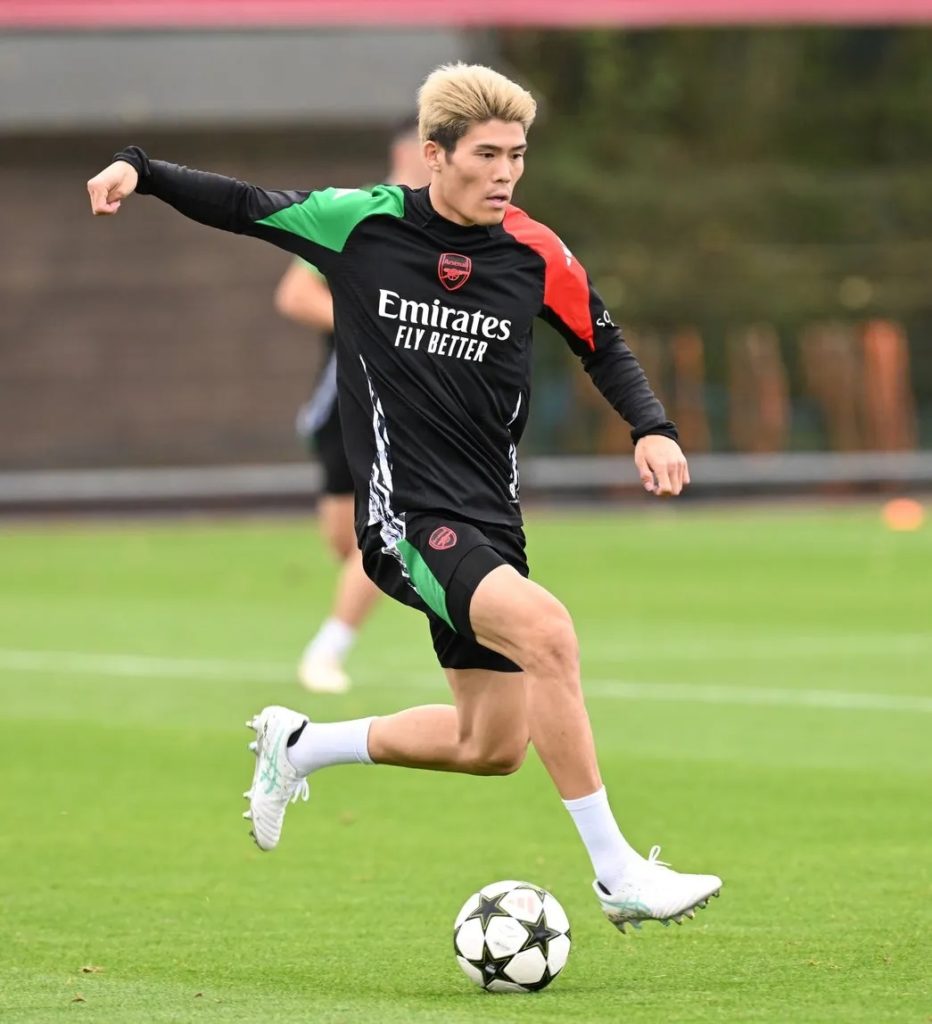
[454, 270]
[442, 538]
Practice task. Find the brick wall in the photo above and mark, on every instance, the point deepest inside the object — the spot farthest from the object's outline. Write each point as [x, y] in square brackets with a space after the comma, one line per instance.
[147, 339]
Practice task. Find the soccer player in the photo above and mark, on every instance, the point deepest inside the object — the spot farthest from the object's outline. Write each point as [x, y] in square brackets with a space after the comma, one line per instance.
[435, 292]
[303, 295]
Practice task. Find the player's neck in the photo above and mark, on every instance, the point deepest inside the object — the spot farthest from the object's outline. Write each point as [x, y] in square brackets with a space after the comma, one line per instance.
[445, 210]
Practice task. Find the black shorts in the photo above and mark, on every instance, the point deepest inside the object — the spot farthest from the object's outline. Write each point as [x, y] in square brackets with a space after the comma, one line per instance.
[327, 442]
[436, 569]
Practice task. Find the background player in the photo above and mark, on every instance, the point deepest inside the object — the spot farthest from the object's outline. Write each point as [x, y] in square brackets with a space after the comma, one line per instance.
[303, 295]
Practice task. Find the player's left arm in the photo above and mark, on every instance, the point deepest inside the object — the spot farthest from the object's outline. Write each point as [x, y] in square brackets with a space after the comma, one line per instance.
[576, 310]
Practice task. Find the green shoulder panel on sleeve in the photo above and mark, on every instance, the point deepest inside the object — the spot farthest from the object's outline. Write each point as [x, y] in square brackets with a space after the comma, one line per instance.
[329, 217]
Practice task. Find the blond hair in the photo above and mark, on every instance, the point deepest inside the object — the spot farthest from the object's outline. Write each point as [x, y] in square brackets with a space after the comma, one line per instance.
[454, 97]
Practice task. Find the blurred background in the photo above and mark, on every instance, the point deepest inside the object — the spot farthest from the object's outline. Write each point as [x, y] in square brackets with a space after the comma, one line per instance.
[749, 186]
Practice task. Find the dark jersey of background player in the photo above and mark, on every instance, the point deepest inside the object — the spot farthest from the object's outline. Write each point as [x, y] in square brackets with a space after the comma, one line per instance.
[433, 324]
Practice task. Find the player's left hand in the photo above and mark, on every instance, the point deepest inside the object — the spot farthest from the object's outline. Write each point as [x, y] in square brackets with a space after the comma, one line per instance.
[661, 465]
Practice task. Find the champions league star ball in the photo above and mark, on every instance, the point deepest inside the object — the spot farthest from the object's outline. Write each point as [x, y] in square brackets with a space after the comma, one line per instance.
[511, 937]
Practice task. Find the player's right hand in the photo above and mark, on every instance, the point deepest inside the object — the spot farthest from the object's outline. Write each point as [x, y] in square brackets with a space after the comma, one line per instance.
[111, 186]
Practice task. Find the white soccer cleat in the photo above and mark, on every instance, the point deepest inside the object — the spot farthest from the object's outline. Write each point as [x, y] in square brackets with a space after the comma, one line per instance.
[320, 674]
[275, 783]
[651, 891]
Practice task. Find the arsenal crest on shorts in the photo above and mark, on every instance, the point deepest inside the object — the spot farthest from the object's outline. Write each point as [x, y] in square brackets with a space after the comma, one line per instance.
[454, 270]
[442, 538]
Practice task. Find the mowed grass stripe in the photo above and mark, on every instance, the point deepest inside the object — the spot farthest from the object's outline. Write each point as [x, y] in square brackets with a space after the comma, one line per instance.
[135, 666]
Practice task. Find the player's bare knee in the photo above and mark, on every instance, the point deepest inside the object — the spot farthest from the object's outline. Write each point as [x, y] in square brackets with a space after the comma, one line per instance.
[340, 543]
[549, 644]
[504, 757]
[503, 760]
[343, 546]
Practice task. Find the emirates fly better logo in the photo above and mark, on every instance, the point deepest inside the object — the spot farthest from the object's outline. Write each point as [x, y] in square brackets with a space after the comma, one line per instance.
[453, 270]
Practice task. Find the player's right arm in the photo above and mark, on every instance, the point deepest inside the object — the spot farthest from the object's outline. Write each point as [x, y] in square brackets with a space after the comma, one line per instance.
[109, 188]
[313, 225]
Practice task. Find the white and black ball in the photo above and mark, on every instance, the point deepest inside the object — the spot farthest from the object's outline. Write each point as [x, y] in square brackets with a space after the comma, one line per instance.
[511, 937]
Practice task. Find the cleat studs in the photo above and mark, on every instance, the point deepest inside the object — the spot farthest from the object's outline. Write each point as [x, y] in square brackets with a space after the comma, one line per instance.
[621, 927]
[665, 922]
[717, 893]
[254, 746]
[636, 924]
[678, 918]
[690, 914]
[247, 815]
[247, 795]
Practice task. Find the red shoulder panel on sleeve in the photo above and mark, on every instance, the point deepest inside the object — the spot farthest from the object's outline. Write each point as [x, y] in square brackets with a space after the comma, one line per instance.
[566, 287]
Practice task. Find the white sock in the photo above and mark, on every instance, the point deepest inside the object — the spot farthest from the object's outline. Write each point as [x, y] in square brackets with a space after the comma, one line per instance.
[333, 640]
[609, 851]
[321, 744]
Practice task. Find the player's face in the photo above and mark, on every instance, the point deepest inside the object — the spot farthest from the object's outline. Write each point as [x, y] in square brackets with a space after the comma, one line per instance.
[472, 184]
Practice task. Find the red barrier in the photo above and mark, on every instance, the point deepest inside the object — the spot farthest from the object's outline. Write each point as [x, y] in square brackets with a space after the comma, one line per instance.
[129, 14]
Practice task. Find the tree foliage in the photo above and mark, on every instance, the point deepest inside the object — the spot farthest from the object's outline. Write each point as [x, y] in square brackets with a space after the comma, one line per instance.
[724, 177]
[716, 175]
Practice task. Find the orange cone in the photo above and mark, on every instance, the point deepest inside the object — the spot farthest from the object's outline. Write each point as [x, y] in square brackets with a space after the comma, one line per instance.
[903, 514]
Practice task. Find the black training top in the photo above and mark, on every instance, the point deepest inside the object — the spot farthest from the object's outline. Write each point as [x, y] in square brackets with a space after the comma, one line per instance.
[433, 326]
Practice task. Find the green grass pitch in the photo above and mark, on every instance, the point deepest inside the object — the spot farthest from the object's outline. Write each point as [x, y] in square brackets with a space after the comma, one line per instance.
[761, 690]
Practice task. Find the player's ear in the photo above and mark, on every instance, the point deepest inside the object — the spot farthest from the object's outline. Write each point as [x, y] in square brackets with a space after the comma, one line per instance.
[433, 155]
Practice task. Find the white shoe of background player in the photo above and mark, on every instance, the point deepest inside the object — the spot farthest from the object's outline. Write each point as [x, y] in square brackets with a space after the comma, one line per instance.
[321, 674]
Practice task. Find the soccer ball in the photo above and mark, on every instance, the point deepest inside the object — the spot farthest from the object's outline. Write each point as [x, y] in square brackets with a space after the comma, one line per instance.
[511, 937]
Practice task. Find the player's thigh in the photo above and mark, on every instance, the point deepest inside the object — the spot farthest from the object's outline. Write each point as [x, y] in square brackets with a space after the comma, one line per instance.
[491, 709]
[520, 619]
[336, 513]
